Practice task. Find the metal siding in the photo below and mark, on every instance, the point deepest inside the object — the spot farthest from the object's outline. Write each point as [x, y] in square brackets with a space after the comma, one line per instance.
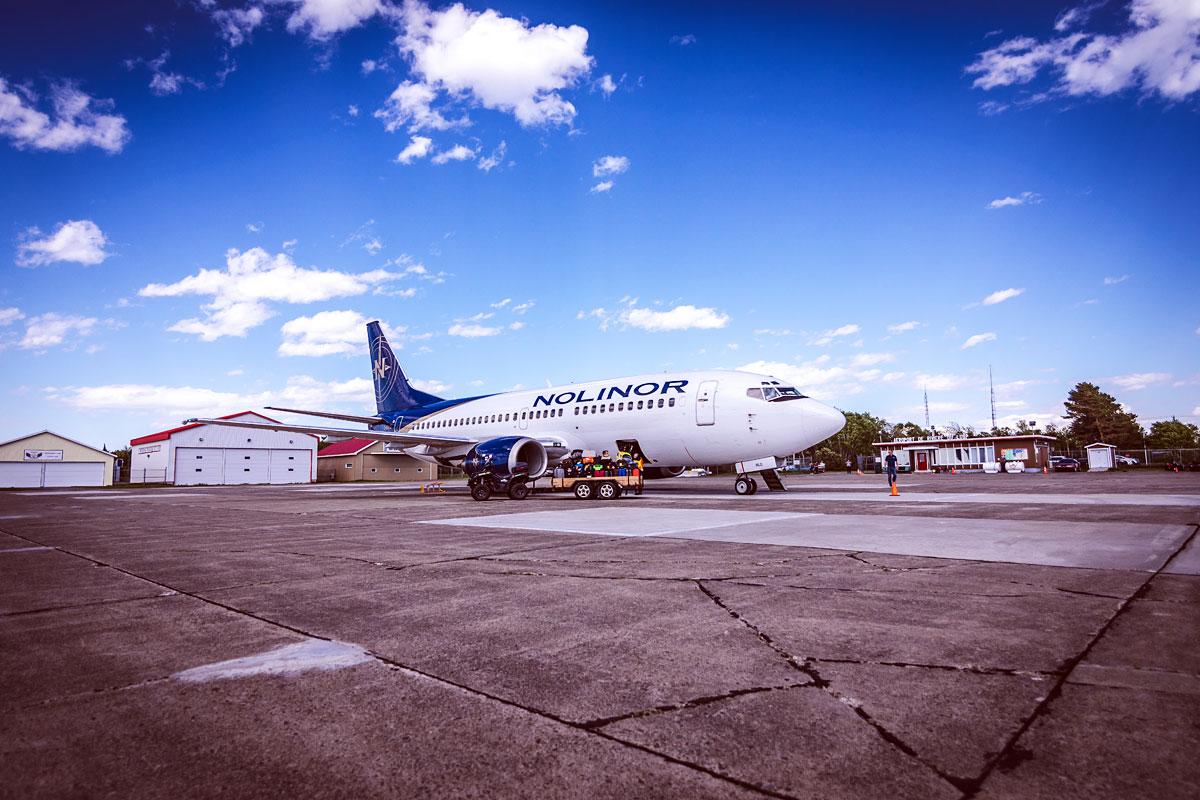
[67, 473]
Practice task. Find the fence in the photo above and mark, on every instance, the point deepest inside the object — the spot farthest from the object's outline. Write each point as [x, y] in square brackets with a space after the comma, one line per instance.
[1145, 456]
[148, 476]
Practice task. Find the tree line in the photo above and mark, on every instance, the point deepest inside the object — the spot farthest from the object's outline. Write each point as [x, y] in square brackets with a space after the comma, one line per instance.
[1091, 416]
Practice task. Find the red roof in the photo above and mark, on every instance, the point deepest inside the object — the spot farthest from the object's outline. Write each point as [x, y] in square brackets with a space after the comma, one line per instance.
[350, 447]
[158, 437]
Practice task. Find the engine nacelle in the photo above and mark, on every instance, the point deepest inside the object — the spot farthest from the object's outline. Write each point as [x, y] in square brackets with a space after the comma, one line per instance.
[654, 473]
[505, 456]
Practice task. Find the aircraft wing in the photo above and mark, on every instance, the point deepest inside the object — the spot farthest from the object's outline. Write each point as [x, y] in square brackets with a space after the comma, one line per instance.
[412, 439]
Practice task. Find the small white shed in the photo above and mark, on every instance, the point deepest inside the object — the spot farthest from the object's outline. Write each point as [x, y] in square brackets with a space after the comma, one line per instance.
[1101, 456]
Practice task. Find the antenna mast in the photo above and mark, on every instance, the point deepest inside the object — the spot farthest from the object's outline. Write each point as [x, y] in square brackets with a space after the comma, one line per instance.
[992, 390]
[926, 408]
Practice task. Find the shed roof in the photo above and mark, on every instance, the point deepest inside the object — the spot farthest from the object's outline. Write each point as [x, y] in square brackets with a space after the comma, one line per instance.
[350, 447]
[161, 435]
[1098, 445]
[60, 436]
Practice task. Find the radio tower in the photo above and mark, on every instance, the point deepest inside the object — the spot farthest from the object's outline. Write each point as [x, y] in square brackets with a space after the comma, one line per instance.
[926, 409]
[992, 390]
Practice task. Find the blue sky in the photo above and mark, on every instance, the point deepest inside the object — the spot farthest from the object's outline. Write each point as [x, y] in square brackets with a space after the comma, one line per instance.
[203, 201]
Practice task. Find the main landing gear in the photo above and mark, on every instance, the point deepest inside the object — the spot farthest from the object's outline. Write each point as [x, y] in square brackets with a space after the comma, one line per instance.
[745, 485]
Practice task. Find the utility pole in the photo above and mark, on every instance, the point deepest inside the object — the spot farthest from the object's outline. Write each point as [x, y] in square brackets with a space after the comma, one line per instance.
[927, 427]
[992, 390]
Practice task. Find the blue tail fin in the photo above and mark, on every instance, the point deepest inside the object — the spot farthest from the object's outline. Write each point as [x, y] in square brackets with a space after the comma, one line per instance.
[392, 390]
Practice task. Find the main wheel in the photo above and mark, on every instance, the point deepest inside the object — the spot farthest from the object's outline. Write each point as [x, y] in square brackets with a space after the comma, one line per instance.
[743, 486]
[481, 491]
[518, 491]
[753, 486]
[583, 490]
[607, 490]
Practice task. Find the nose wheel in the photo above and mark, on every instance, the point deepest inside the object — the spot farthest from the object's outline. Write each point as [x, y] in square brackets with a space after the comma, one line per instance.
[745, 485]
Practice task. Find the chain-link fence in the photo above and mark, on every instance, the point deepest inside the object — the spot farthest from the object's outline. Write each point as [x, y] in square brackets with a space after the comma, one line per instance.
[148, 475]
[1184, 458]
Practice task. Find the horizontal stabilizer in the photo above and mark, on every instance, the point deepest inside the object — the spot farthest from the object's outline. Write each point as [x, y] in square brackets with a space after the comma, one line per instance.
[332, 415]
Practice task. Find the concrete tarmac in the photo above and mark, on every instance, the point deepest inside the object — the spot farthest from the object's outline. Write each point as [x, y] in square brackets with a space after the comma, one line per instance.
[1001, 637]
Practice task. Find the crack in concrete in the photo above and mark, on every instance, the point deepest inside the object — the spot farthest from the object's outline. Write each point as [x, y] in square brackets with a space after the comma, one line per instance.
[693, 703]
[969, 668]
[854, 589]
[115, 601]
[857, 556]
[1012, 753]
[808, 668]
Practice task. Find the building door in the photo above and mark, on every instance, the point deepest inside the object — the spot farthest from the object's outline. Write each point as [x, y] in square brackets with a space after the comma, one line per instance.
[922, 461]
[706, 403]
[199, 466]
[289, 466]
[78, 473]
[20, 475]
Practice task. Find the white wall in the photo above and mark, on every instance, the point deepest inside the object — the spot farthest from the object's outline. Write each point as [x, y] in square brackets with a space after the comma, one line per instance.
[215, 436]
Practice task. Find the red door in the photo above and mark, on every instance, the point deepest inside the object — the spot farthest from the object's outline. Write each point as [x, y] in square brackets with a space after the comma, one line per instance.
[922, 462]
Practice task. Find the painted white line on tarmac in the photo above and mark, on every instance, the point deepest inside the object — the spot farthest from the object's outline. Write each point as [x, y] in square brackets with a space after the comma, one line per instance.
[881, 496]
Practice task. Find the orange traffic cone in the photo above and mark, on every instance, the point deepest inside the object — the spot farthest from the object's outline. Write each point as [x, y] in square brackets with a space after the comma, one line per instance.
[895, 490]
[953, 471]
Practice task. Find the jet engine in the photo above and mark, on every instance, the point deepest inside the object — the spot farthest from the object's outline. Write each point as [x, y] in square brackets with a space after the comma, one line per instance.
[506, 455]
[654, 473]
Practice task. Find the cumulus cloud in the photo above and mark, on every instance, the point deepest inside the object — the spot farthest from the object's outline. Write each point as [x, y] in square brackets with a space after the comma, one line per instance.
[250, 278]
[1024, 198]
[827, 337]
[485, 59]
[323, 19]
[1157, 52]
[817, 377]
[418, 147]
[75, 120]
[236, 24]
[978, 339]
[602, 187]
[51, 330]
[1001, 295]
[606, 166]
[10, 315]
[606, 85]
[903, 327]
[460, 152]
[679, 318]
[79, 241]
[488, 163]
[1140, 380]
[471, 330]
[329, 333]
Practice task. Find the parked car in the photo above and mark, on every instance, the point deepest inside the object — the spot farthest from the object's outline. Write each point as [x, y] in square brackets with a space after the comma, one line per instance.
[1064, 464]
[1127, 461]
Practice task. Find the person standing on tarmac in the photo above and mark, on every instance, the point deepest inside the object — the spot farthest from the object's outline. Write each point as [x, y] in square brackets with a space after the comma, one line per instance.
[849, 466]
[890, 461]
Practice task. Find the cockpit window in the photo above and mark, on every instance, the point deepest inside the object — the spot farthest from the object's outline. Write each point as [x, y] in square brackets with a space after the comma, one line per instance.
[773, 392]
[755, 393]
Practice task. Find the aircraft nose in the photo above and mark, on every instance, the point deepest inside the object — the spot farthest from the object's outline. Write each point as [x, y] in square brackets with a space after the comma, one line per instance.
[822, 421]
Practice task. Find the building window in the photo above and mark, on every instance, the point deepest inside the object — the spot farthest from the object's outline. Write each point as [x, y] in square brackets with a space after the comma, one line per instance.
[396, 470]
[349, 466]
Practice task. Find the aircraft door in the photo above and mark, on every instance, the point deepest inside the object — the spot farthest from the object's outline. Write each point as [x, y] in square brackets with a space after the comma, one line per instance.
[524, 418]
[706, 403]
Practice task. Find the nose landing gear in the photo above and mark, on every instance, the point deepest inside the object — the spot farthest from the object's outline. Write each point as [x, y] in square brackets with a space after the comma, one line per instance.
[745, 485]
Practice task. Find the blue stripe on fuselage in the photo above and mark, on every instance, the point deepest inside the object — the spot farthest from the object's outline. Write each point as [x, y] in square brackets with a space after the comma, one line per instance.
[398, 419]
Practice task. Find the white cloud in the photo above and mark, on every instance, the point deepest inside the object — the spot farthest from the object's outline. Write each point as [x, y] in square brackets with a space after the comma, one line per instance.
[602, 187]
[51, 330]
[304, 391]
[812, 378]
[369, 65]
[684, 39]
[1158, 53]
[892, 376]
[871, 359]
[460, 152]
[373, 245]
[1113, 280]
[322, 19]
[828, 336]
[236, 24]
[251, 277]
[606, 166]
[75, 121]
[679, 318]
[521, 308]
[472, 330]
[488, 163]
[606, 85]
[352, 110]
[10, 315]
[516, 326]
[235, 373]
[432, 386]
[978, 338]
[1140, 380]
[418, 147]
[80, 241]
[173, 401]
[941, 407]
[254, 227]
[903, 327]
[502, 303]
[485, 59]
[942, 382]
[1024, 198]
[329, 333]
[1001, 295]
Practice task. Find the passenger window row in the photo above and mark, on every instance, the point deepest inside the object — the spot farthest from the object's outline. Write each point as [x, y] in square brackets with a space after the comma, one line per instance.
[601, 408]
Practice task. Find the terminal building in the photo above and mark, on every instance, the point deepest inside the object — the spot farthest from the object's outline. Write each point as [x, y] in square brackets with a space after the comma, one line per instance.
[941, 454]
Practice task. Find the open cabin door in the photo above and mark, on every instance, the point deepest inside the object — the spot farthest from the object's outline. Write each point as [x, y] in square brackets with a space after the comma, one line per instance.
[706, 403]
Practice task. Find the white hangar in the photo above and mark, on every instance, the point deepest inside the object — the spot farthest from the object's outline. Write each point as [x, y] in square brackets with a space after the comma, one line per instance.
[47, 459]
[199, 454]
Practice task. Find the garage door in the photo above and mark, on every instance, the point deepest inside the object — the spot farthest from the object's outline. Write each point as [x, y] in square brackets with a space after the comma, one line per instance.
[20, 475]
[82, 473]
[290, 466]
[247, 466]
[195, 466]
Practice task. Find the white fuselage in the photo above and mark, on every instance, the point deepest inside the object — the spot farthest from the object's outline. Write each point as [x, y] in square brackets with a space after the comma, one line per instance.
[679, 419]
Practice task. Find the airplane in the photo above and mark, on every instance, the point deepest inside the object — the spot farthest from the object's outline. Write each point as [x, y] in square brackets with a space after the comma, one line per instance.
[672, 421]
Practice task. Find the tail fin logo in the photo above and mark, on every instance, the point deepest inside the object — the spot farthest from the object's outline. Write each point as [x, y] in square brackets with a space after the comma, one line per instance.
[383, 368]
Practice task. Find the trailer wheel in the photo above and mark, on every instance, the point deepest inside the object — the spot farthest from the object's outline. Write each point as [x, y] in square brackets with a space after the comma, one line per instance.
[583, 490]
[518, 491]
[481, 491]
[742, 486]
[753, 486]
[608, 490]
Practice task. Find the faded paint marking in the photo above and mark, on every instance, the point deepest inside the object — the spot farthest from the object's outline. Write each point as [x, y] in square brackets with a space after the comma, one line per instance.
[290, 659]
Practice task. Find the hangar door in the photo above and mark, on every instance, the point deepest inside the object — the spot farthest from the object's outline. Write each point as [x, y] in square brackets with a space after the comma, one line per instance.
[196, 466]
[28, 475]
